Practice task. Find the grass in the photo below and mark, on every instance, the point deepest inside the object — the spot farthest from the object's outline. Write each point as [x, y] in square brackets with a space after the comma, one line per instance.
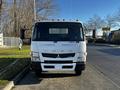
[3, 82]
[8, 56]
[15, 52]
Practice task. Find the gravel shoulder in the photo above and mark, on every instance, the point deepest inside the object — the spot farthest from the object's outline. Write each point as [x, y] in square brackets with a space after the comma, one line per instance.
[90, 79]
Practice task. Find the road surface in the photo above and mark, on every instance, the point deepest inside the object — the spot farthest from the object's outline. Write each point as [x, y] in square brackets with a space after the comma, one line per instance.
[102, 73]
[106, 59]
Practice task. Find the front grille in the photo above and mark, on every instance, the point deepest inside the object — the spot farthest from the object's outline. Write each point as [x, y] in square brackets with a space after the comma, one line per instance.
[48, 66]
[66, 67]
[65, 55]
[58, 62]
[49, 55]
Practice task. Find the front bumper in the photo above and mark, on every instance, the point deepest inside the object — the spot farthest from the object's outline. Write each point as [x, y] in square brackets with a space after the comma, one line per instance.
[80, 66]
[60, 67]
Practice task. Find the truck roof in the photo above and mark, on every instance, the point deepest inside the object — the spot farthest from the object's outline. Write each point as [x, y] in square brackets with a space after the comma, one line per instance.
[58, 20]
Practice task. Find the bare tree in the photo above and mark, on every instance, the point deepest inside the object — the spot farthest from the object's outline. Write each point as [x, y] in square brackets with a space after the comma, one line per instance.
[117, 16]
[111, 21]
[23, 13]
[87, 28]
[116, 19]
[2, 10]
[45, 8]
[0, 13]
[95, 22]
[0, 4]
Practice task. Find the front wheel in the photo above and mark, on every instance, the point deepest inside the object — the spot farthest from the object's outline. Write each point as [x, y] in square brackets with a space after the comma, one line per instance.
[78, 72]
[38, 73]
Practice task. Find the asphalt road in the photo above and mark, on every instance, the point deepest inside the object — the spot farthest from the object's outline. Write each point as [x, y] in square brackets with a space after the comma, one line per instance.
[102, 73]
[106, 60]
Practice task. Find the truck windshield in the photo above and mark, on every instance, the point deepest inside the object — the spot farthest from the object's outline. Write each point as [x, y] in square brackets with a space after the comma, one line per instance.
[57, 31]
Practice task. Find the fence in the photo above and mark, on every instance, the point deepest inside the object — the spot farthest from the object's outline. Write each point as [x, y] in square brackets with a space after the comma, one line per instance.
[1, 39]
[11, 41]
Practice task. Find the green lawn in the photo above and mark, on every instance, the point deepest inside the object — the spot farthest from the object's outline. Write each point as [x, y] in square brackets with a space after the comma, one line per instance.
[15, 52]
[3, 82]
[8, 56]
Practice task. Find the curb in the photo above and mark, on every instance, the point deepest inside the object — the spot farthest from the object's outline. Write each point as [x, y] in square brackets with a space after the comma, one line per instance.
[15, 80]
[9, 86]
[110, 45]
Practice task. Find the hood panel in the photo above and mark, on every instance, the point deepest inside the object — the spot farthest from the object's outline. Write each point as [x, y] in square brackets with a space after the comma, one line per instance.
[59, 47]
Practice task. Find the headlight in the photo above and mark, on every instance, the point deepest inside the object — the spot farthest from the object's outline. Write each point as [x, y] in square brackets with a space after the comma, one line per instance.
[81, 57]
[35, 56]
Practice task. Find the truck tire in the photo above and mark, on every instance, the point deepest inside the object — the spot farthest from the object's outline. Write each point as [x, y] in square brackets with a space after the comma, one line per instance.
[38, 73]
[78, 72]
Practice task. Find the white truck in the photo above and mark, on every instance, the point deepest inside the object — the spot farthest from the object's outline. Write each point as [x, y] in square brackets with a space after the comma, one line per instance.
[58, 46]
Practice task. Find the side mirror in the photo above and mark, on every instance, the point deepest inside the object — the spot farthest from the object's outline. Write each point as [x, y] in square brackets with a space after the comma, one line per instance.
[85, 38]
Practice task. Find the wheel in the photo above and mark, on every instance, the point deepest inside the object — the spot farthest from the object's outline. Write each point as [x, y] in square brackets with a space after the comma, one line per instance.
[78, 72]
[38, 73]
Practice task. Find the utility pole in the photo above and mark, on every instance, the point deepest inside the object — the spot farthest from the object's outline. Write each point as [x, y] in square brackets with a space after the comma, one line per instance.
[94, 35]
[35, 16]
[0, 13]
[15, 22]
[0, 4]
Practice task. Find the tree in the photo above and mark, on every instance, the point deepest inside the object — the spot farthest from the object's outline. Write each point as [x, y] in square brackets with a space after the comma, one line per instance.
[117, 16]
[23, 13]
[0, 4]
[2, 9]
[95, 22]
[86, 28]
[45, 8]
[110, 21]
[113, 20]
[0, 13]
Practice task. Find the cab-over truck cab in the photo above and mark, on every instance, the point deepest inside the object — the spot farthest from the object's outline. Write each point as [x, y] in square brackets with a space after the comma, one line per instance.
[58, 46]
